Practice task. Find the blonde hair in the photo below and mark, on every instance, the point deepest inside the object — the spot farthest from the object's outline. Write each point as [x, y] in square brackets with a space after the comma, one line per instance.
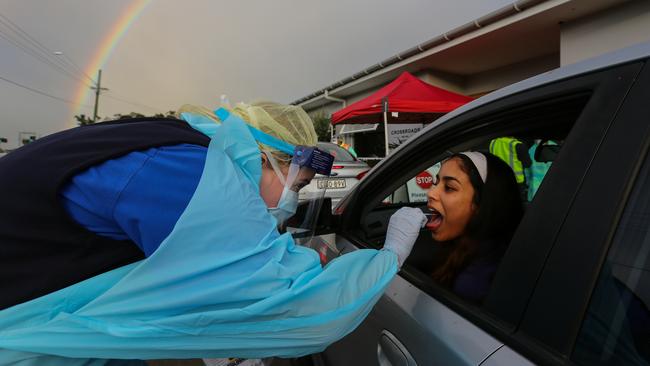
[288, 123]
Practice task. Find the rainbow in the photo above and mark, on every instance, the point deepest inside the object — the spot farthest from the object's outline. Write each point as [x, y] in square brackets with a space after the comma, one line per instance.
[101, 56]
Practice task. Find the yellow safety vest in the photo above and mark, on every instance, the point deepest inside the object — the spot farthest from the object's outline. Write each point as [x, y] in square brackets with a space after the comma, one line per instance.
[505, 148]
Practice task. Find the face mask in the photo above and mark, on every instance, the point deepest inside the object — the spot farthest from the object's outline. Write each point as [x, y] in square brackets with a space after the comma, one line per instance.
[286, 207]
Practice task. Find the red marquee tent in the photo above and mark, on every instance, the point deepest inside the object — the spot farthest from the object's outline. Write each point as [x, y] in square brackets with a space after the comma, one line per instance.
[414, 101]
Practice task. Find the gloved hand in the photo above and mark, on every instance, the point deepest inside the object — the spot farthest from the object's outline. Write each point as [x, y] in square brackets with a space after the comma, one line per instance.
[403, 230]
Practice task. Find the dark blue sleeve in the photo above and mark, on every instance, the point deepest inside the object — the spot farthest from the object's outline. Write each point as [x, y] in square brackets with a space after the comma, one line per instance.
[139, 196]
[473, 282]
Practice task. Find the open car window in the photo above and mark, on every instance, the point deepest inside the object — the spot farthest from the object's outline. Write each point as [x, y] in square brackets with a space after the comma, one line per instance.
[415, 190]
[529, 158]
[533, 150]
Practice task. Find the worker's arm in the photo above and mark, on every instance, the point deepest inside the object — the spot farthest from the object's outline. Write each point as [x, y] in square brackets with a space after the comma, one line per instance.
[139, 196]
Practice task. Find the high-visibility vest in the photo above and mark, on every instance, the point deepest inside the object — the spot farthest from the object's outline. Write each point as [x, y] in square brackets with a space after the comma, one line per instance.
[505, 148]
[349, 148]
[352, 151]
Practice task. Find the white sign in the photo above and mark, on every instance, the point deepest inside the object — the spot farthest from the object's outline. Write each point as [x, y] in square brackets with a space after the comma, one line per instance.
[398, 133]
[419, 185]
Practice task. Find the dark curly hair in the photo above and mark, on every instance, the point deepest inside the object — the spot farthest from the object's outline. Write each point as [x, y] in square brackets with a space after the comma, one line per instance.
[499, 211]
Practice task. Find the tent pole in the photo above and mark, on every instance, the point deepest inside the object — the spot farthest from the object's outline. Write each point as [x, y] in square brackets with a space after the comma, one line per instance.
[386, 131]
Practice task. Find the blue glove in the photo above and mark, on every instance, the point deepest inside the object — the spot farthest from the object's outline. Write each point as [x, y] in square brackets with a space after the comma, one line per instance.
[403, 230]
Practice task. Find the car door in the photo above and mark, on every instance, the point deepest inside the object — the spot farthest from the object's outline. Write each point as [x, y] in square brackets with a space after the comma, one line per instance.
[590, 306]
[417, 322]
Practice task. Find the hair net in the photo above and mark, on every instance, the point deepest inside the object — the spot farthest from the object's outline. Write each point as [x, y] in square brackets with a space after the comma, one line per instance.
[286, 122]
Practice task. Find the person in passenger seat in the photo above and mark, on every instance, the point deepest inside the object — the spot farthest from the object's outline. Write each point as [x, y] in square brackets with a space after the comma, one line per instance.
[542, 153]
[475, 208]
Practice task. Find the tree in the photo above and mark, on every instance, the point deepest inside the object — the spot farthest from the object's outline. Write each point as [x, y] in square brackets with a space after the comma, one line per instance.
[169, 114]
[82, 120]
[117, 116]
[322, 126]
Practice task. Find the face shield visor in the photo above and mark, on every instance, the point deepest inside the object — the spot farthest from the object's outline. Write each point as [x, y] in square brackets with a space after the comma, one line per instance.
[298, 208]
[296, 213]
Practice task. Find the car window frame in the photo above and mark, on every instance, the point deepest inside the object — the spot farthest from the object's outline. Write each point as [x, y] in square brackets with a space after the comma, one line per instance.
[621, 154]
[608, 87]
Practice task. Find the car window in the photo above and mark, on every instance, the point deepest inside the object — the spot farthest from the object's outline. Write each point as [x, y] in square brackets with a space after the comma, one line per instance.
[535, 147]
[415, 189]
[616, 327]
[529, 158]
[339, 153]
[472, 282]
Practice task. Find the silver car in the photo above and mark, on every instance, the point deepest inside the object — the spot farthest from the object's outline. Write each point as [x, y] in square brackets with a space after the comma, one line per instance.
[347, 171]
[573, 285]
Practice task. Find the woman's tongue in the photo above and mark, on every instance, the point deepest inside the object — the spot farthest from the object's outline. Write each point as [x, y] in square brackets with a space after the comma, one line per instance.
[435, 222]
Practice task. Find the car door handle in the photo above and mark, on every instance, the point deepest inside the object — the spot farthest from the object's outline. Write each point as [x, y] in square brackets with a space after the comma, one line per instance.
[391, 352]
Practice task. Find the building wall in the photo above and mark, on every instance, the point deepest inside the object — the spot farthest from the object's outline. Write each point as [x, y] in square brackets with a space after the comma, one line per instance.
[332, 106]
[325, 110]
[605, 31]
[451, 82]
[475, 84]
[582, 38]
[487, 81]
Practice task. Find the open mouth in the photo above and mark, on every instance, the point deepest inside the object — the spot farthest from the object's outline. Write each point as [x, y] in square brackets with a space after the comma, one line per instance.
[435, 221]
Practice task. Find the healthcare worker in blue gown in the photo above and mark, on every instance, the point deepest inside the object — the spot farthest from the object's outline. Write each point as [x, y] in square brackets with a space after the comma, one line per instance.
[157, 238]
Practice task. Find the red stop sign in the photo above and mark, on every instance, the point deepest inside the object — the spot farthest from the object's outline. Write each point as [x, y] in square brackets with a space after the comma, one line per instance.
[424, 180]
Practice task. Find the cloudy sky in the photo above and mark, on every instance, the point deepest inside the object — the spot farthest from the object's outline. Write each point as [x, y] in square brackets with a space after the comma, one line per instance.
[192, 51]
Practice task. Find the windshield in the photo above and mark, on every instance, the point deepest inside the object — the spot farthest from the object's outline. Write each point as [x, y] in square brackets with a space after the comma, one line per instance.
[339, 153]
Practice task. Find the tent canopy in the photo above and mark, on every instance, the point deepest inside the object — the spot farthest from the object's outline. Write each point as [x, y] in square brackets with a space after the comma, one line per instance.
[413, 99]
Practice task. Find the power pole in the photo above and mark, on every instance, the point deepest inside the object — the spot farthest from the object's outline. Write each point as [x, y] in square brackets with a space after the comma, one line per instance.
[98, 89]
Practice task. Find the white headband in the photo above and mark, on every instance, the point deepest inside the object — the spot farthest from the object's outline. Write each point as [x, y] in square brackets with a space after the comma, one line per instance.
[479, 162]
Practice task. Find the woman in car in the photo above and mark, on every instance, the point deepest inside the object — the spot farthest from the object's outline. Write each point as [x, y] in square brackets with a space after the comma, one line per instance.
[476, 207]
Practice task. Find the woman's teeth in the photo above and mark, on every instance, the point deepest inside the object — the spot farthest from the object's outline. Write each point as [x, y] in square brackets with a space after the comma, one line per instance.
[435, 220]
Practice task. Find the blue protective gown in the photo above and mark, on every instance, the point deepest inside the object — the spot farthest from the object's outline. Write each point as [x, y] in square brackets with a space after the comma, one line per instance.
[224, 283]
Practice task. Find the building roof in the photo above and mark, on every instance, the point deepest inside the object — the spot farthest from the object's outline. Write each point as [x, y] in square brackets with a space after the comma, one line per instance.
[497, 39]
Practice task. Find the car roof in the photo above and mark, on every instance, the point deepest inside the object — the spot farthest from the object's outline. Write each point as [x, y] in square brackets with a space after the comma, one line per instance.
[321, 143]
[625, 55]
